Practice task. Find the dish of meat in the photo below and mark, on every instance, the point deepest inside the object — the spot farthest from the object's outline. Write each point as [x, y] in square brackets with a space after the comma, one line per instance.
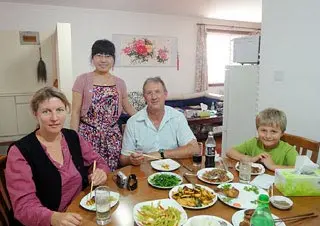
[242, 218]
[215, 175]
[240, 196]
[256, 168]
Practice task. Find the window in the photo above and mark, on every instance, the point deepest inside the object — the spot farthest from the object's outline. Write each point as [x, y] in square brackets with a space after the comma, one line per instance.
[219, 54]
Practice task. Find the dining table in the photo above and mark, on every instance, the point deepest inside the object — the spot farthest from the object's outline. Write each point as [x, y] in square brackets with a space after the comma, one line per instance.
[122, 212]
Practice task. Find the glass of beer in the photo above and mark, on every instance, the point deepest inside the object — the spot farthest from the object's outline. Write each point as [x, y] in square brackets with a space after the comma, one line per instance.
[103, 209]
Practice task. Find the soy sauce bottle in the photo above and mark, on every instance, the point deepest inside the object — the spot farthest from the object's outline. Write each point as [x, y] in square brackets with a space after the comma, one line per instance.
[210, 150]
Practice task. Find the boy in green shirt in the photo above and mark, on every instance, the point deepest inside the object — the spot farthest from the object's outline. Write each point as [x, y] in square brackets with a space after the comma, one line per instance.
[267, 148]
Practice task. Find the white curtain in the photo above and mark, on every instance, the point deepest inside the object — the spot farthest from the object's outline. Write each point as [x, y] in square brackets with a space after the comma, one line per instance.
[201, 79]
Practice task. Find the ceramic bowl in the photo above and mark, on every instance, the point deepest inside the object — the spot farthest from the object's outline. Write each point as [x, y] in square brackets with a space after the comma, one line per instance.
[281, 202]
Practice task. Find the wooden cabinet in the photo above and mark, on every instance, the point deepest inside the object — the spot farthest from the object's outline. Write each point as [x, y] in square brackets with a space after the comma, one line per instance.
[16, 119]
[8, 113]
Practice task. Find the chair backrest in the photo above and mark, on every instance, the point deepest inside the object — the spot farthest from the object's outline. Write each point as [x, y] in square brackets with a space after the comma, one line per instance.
[5, 205]
[303, 145]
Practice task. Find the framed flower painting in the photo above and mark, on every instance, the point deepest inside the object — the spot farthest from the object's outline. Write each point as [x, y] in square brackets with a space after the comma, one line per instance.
[144, 50]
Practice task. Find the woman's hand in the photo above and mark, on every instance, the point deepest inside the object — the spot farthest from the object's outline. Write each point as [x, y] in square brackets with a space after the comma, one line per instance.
[65, 219]
[98, 177]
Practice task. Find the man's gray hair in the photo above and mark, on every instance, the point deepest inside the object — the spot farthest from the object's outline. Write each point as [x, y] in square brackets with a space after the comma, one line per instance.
[155, 80]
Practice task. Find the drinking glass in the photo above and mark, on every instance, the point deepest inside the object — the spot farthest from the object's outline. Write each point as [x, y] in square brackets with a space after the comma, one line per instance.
[103, 209]
[197, 156]
[245, 170]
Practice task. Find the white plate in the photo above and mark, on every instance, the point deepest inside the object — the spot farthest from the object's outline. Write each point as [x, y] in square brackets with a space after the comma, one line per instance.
[206, 220]
[158, 164]
[281, 198]
[161, 173]
[238, 217]
[84, 200]
[175, 189]
[262, 169]
[164, 203]
[245, 200]
[203, 171]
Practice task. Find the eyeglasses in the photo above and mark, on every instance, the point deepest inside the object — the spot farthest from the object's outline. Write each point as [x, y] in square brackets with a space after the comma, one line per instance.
[101, 55]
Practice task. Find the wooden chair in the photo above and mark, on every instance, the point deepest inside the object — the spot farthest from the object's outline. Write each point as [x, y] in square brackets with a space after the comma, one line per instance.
[5, 205]
[303, 145]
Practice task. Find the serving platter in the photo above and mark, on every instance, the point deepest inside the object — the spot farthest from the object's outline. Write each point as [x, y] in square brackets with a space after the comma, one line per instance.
[238, 217]
[165, 165]
[258, 165]
[247, 198]
[207, 220]
[212, 201]
[201, 175]
[165, 203]
[151, 177]
[115, 199]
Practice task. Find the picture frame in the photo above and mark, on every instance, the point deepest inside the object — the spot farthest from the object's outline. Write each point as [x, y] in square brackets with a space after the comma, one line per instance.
[145, 50]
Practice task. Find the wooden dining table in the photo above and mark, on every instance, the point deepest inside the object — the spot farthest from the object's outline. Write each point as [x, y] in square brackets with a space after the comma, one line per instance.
[122, 213]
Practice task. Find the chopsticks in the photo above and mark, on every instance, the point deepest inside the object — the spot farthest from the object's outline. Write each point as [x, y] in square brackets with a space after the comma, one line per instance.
[184, 166]
[145, 155]
[296, 218]
[94, 168]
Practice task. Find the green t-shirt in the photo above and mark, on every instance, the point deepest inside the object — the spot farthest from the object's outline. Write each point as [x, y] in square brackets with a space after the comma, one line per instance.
[284, 154]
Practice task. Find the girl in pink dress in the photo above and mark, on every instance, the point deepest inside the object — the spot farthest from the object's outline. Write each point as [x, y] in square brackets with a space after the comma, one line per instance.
[97, 102]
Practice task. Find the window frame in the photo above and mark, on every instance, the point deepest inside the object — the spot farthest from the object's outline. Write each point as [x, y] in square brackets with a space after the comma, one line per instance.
[231, 30]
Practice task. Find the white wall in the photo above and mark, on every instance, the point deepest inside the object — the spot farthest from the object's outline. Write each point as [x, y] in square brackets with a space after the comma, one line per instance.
[18, 63]
[87, 25]
[290, 53]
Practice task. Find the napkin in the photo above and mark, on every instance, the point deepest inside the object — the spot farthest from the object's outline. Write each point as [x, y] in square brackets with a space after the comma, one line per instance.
[304, 165]
[263, 181]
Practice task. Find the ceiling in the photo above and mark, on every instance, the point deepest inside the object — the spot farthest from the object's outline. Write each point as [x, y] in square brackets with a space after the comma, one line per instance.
[242, 10]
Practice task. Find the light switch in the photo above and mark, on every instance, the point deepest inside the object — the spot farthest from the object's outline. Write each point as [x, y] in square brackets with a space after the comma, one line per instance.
[278, 76]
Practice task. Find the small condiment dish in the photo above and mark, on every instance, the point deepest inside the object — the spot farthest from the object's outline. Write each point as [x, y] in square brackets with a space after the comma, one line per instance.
[281, 202]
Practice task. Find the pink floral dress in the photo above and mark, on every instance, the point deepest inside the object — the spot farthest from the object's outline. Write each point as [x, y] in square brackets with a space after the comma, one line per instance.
[99, 126]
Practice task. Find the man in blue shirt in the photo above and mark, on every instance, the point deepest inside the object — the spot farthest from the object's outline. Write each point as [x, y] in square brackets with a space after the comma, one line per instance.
[159, 130]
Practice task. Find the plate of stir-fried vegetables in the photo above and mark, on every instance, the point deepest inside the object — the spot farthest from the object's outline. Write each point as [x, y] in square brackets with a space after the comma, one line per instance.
[163, 212]
[164, 180]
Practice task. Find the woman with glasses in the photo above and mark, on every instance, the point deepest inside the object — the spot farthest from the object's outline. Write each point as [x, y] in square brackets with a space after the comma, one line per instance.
[97, 102]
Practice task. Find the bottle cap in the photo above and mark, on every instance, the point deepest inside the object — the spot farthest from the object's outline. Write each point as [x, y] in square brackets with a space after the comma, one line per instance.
[210, 133]
[264, 198]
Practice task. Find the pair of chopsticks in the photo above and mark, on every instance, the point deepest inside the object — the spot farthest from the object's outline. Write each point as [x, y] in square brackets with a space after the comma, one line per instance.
[296, 218]
[184, 166]
[145, 155]
[94, 168]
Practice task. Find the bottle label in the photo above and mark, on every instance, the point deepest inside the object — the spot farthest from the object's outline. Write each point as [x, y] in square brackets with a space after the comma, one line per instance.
[210, 150]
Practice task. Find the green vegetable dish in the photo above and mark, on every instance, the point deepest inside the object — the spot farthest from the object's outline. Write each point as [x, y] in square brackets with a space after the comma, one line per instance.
[252, 188]
[165, 180]
[158, 216]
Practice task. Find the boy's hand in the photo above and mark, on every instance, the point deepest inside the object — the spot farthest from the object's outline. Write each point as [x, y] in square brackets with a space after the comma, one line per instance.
[259, 157]
[267, 161]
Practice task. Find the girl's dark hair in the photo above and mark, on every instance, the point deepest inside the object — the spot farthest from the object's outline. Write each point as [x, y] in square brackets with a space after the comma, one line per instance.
[103, 46]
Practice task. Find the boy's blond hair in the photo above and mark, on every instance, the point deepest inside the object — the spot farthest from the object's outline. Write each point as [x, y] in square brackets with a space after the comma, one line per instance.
[272, 117]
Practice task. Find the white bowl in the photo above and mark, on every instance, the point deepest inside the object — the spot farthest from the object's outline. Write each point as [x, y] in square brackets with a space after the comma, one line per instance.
[276, 199]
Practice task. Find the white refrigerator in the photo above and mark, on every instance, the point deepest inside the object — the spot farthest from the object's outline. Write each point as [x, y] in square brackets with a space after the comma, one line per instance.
[240, 104]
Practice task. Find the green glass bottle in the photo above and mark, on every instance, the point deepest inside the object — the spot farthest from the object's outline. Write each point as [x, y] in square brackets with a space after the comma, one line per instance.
[262, 215]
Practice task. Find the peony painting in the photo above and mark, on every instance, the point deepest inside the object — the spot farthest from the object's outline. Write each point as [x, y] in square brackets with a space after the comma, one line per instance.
[138, 50]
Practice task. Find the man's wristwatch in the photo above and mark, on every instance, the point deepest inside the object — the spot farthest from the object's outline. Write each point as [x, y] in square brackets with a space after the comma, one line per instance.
[161, 151]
